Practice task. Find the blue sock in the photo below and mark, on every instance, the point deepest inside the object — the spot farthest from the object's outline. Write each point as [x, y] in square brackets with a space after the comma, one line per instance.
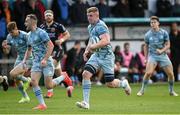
[171, 84]
[38, 94]
[58, 80]
[86, 84]
[22, 78]
[144, 84]
[20, 88]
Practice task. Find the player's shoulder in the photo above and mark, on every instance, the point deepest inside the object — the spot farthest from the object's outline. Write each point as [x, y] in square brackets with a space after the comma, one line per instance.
[9, 36]
[22, 32]
[41, 30]
[149, 32]
[163, 31]
[57, 24]
[42, 25]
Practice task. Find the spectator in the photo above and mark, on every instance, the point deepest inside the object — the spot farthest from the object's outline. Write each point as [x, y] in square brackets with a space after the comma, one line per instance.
[139, 66]
[164, 8]
[118, 60]
[32, 8]
[72, 61]
[7, 11]
[127, 60]
[176, 9]
[19, 14]
[78, 9]
[138, 7]
[60, 9]
[152, 7]
[175, 50]
[104, 10]
[121, 9]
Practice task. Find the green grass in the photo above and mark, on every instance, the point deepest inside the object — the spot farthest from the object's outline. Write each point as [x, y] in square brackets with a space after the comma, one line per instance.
[103, 101]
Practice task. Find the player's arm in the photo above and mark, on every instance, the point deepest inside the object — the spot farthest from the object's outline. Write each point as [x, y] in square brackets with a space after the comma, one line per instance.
[104, 41]
[146, 50]
[65, 36]
[27, 54]
[6, 47]
[166, 44]
[87, 52]
[165, 48]
[50, 48]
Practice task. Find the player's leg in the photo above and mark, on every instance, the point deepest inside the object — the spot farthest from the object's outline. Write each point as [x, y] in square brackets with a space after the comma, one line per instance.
[165, 63]
[35, 77]
[107, 65]
[4, 82]
[17, 73]
[150, 67]
[67, 80]
[63, 77]
[90, 68]
[86, 84]
[25, 98]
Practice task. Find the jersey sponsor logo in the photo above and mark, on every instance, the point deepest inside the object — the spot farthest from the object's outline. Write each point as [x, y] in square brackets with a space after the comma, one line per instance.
[53, 29]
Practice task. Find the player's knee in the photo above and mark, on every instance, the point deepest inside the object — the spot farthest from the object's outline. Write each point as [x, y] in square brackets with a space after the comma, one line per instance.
[34, 82]
[49, 86]
[170, 75]
[149, 74]
[86, 74]
[13, 74]
[110, 84]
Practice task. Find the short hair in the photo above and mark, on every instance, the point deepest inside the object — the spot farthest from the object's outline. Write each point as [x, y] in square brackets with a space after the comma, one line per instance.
[154, 18]
[126, 44]
[11, 26]
[49, 11]
[33, 17]
[92, 9]
[77, 42]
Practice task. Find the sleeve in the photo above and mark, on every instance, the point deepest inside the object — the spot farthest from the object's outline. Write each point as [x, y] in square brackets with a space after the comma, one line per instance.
[146, 39]
[9, 41]
[101, 30]
[166, 36]
[61, 28]
[44, 36]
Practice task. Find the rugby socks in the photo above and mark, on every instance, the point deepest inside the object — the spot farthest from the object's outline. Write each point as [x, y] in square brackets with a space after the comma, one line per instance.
[20, 88]
[144, 84]
[58, 79]
[38, 94]
[86, 84]
[22, 78]
[171, 84]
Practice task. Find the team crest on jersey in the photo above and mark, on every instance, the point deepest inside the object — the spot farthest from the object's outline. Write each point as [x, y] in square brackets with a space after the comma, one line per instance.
[53, 29]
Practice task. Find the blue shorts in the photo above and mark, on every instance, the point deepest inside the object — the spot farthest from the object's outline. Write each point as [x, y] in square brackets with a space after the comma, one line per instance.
[48, 71]
[163, 60]
[29, 62]
[105, 62]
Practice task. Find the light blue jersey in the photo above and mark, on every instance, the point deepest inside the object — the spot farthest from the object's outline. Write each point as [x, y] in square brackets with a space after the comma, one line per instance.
[156, 40]
[37, 41]
[95, 31]
[20, 44]
[103, 57]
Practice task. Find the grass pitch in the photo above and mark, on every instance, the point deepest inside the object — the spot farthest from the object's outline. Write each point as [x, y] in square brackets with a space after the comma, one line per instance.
[103, 101]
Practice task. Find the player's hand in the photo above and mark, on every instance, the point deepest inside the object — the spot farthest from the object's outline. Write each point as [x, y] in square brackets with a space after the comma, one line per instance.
[145, 61]
[85, 55]
[159, 51]
[59, 42]
[44, 63]
[4, 44]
